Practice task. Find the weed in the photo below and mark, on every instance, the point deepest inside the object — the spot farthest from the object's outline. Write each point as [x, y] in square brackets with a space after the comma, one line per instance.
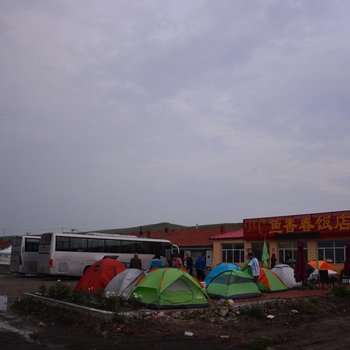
[341, 291]
[60, 291]
[111, 303]
[135, 301]
[260, 343]
[119, 318]
[43, 290]
[254, 311]
[23, 306]
[306, 307]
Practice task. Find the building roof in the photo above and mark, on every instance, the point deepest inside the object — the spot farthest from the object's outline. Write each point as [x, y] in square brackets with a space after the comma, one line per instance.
[184, 237]
[229, 235]
[193, 237]
[5, 243]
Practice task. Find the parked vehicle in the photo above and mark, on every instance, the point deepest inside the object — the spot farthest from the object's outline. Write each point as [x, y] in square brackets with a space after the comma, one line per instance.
[72, 253]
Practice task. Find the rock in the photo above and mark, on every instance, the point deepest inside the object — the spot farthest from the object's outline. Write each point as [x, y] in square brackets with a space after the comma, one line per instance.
[176, 315]
[223, 312]
[188, 334]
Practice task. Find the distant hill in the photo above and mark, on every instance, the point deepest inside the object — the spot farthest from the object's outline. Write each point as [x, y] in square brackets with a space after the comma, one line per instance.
[144, 228]
[163, 226]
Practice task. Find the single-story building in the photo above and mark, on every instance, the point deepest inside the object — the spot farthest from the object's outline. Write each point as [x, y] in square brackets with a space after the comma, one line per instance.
[323, 234]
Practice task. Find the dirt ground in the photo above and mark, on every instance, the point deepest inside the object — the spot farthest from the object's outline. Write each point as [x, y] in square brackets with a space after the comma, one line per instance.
[297, 319]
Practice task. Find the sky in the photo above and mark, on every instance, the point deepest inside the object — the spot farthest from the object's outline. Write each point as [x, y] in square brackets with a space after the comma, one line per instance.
[125, 113]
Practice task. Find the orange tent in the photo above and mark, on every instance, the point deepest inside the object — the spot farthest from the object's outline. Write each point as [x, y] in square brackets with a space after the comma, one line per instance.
[269, 281]
[98, 275]
[323, 265]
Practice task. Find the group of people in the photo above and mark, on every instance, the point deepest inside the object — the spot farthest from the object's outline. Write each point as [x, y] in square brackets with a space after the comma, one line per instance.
[200, 264]
[176, 262]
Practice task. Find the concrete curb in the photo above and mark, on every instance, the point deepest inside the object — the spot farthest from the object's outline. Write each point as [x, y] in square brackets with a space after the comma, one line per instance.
[101, 314]
[98, 313]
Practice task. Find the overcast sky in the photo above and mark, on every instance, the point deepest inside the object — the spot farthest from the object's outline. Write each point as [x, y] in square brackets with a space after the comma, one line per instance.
[125, 113]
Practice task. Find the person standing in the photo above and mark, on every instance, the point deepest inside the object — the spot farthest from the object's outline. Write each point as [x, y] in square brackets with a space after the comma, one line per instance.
[157, 262]
[177, 262]
[254, 267]
[189, 264]
[273, 260]
[135, 262]
[201, 267]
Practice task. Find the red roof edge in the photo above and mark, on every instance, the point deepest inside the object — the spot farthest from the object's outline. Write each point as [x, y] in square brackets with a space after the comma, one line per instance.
[229, 235]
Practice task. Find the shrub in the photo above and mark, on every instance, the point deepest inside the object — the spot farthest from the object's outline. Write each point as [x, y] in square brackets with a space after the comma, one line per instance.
[60, 291]
[341, 291]
[43, 290]
[254, 311]
[135, 301]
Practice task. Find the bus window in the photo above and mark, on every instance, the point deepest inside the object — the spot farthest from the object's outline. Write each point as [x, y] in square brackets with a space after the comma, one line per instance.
[144, 248]
[45, 239]
[62, 244]
[77, 244]
[128, 246]
[112, 246]
[31, 245]
[96, 245]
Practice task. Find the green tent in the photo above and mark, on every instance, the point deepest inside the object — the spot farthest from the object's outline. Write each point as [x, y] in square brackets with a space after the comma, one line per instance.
[170, 288]
[233, 285]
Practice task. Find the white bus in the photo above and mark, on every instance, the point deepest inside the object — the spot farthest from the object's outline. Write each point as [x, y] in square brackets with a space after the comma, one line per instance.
[72, 253]
[24, 254]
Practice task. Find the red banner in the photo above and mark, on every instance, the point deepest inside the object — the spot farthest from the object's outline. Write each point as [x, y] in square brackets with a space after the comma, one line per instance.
[327, 225]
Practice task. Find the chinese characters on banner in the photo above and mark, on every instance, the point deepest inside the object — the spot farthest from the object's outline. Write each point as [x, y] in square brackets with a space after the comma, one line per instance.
[337, 223]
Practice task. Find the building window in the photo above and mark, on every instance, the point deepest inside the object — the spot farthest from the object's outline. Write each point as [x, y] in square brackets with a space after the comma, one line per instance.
[257, 248]
[287, 251]
[332, 251]
[232, 253]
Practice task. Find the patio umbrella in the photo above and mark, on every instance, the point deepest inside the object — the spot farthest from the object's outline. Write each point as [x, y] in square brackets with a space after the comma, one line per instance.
[300, 271]
[323, 265]
[347, 261]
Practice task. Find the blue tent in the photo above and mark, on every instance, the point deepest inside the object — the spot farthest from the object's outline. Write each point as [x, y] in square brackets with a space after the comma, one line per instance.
[219, 269]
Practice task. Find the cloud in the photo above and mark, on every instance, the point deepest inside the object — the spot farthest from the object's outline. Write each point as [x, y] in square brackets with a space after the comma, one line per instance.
[118, 114]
